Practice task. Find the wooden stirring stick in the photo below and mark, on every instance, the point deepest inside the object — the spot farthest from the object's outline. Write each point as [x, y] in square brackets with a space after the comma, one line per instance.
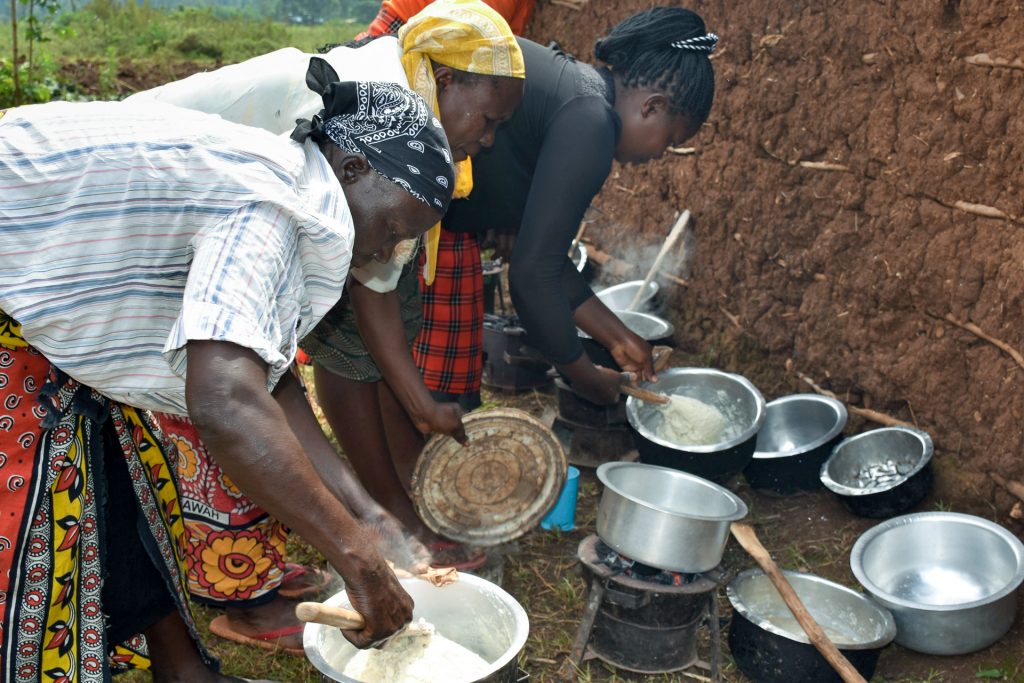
[644, 394]
[340, 617]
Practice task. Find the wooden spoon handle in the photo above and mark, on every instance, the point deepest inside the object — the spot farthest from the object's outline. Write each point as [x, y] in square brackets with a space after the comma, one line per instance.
[747, 538]
[644, 394]
[319, 613]
[660, 355]
[341, 617]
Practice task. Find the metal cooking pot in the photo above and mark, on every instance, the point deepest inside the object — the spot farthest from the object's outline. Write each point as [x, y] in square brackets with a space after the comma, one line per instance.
[798, 435]
[472, 611]
[648, 327]
[949, 579]
[619, 297]
[882, 472]
[738, 399]
[769, 645]
[665, 518]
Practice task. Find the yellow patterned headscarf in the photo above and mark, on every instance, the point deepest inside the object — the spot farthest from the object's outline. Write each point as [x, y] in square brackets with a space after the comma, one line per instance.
[466, 35]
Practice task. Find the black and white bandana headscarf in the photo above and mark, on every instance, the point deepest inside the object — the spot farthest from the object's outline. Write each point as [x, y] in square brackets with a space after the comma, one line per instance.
[392, 127]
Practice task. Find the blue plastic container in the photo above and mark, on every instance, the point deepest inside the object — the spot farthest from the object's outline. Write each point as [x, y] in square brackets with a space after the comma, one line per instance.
[563, 515]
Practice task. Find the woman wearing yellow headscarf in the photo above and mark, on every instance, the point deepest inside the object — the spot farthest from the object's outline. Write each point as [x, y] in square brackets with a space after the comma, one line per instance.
[462, 58]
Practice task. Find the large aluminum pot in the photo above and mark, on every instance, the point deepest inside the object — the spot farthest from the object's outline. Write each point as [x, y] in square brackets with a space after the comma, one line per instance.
[664, 517]
[733, 395]
[949, 579]
[472, 611]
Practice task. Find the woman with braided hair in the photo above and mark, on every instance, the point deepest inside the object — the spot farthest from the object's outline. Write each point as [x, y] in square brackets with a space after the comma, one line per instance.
[546, 165]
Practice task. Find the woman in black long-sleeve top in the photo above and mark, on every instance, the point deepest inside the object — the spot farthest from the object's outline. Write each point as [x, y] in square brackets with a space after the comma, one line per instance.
[552, 157]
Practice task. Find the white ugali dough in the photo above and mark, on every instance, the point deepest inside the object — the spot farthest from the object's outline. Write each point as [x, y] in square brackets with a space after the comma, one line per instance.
[417, 660]
[689, 422]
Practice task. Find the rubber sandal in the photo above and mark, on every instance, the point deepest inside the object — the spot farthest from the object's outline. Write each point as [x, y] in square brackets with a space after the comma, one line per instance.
[474, 561]
[267, 641]
[294, 571]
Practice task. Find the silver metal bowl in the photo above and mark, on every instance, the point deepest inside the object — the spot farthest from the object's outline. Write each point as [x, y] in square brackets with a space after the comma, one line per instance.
[949, 579]
[665, 518]
[882, 472]
[647, 326]
[797, 424]
[797, 436]
[473, 612]
[619, 297]
[851, 620]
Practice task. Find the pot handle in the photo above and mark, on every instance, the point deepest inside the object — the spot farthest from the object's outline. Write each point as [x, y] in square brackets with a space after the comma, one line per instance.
[747, 538]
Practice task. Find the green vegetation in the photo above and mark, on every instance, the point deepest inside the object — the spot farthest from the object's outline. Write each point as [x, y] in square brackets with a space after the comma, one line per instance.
[105, 35]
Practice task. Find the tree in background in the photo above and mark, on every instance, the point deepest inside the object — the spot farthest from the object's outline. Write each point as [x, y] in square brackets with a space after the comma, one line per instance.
[19, 80]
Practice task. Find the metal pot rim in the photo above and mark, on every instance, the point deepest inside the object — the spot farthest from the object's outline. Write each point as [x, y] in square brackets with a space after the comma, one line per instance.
[889, 628]
[860, 547]
[741, 507]
[668, 328]
[522, 630]
[844, 490]
[632, 405]
[837, 428]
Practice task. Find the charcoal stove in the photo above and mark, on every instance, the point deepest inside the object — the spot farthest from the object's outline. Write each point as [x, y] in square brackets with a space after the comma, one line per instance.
[591, 434]
[645, 620]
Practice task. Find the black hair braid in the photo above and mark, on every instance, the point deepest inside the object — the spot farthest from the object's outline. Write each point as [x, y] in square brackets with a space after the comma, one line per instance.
[665, 48]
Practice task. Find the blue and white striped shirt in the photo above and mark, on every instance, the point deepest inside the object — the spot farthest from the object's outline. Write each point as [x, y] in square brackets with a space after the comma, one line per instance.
[127, 230]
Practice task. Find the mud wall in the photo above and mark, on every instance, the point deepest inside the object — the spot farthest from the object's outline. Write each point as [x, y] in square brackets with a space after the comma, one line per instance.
[849, 273]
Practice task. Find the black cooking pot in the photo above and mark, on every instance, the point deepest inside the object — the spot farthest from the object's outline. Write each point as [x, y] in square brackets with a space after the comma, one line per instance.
[769, 646]
[510, 363]
[719, 462]
[798, 435]
[881, 473]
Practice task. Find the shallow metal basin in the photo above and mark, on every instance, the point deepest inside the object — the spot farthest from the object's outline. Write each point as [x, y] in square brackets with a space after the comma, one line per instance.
[665, 518]
[619, 297]
[473, 612]
[949, 579]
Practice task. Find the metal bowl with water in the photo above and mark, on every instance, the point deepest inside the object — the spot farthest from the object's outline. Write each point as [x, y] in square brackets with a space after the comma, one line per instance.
[769, 645]
[473, 612]
[949, 579]
[882, 472]
[619, 297]
[733, 395]
[798, 435]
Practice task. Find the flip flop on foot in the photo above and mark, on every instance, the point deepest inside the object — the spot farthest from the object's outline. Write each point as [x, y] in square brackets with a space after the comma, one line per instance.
[301, 581]
[270, 640]
[462, 557]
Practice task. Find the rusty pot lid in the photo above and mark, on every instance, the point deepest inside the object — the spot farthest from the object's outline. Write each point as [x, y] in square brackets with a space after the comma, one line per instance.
[498, 486]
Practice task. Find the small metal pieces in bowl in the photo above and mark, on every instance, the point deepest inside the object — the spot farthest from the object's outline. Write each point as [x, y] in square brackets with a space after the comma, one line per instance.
[769, 645]
[882, 472]
[949, 579]
[798, 435]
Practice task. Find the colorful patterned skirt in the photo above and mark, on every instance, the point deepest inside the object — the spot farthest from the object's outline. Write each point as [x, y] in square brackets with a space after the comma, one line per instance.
[87, 489]
[449, 348]
[235, 550]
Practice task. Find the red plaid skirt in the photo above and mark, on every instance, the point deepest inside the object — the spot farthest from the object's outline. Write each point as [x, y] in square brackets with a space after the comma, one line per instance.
[449, 347]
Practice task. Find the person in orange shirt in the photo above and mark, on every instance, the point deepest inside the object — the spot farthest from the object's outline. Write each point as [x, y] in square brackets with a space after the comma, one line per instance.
[394, 14]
